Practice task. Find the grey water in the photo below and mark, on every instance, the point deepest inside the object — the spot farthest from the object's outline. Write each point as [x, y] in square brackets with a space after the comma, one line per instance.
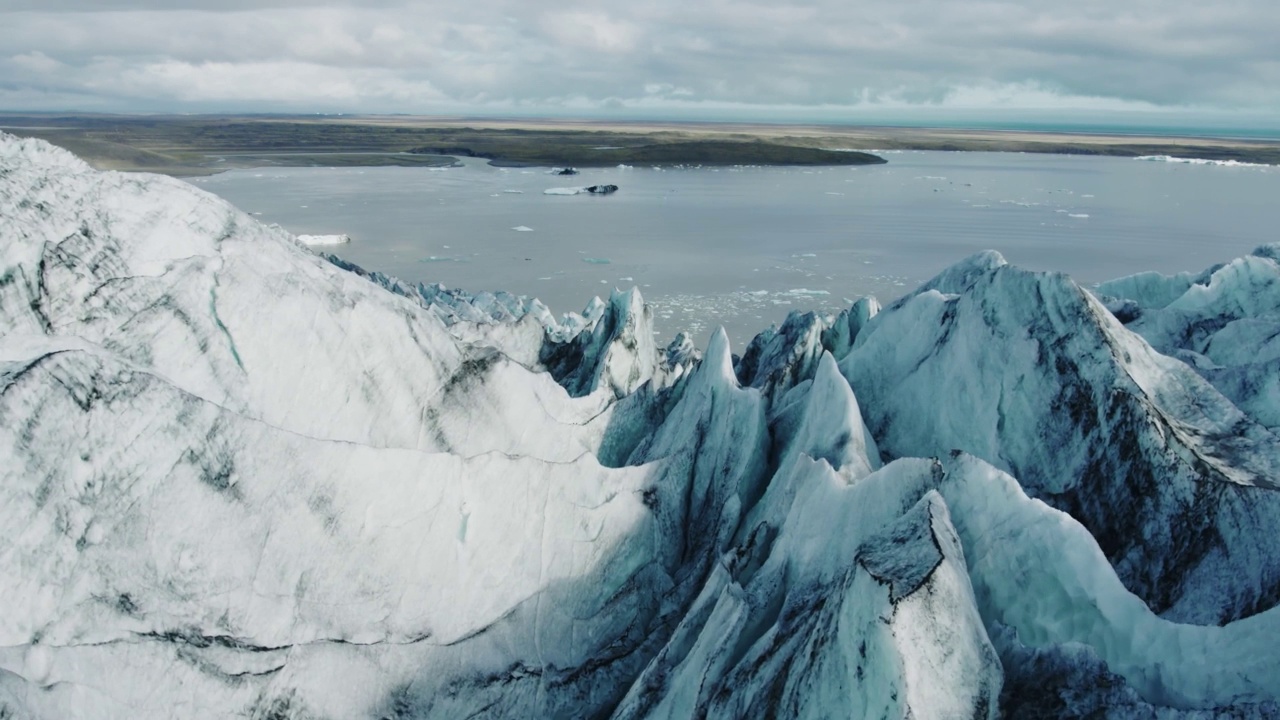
[741, 247]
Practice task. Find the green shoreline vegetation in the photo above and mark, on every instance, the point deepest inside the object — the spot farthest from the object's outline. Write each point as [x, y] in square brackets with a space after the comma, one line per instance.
[205, 144]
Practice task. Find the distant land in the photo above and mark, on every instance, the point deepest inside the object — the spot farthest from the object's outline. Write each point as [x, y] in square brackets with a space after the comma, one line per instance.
[185, 145]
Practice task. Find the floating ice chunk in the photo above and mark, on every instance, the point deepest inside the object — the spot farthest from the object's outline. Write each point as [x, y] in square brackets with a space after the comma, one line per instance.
[596, 261]
[1078, 215]
[1199, 161]
[514, 192]
[589, 190]
[324, 239]
[521, 228]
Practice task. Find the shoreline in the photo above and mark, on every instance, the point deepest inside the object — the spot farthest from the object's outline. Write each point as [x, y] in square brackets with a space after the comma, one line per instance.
[202, 145]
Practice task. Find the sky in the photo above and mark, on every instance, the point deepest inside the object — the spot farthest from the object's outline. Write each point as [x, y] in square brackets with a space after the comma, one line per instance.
[825, 60]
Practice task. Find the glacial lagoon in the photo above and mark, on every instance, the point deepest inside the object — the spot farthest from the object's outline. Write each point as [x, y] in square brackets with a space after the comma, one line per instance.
[743, 246]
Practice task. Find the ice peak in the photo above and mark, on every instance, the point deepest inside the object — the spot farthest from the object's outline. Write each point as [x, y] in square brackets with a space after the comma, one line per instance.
[717, 362]
[832, 428]
[616, 352]
[628, 301]
[961, 276]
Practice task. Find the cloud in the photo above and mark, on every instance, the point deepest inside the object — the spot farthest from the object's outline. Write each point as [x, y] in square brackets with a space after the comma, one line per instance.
[36, 63]
[298, 82]
[715, 56]
[591, 31]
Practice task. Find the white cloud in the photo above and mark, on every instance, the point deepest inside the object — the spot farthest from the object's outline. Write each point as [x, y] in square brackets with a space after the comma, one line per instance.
[593, 31]
[36, 62]
[723, 56]
[288, 83]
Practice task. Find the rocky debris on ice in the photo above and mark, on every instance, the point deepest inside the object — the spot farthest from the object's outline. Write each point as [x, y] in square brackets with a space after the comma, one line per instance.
[301, 489]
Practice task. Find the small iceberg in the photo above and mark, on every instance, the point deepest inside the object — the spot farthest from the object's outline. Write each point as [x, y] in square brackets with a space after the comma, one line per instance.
[1198, 161]
[589, 190]
[522, 228]
[314, 240]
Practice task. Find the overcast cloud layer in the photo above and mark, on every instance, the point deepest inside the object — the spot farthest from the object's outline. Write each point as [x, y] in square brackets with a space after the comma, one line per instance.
[709, 58]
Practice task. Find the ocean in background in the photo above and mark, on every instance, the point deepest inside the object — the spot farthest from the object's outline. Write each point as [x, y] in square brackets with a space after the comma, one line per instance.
[742, 246]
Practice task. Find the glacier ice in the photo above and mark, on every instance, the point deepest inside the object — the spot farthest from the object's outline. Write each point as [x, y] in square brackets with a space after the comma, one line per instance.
[1223, 322]
[242, 477]
[1032, 374]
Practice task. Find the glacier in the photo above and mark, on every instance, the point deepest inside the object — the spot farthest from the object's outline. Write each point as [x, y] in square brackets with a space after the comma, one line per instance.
[243, 477]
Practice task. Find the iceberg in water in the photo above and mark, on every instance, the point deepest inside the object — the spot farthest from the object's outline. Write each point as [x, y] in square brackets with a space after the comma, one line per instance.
[241, 478]
[1199, 161]
[588, 190]
[324, 239]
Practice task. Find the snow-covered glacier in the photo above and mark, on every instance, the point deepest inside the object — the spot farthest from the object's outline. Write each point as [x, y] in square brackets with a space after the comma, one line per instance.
[242, 479]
